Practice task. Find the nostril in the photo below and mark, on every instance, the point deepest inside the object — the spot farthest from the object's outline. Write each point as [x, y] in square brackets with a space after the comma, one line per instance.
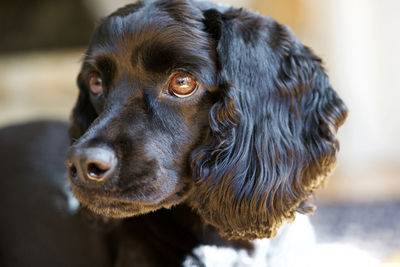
[96, 171]
[73, 172]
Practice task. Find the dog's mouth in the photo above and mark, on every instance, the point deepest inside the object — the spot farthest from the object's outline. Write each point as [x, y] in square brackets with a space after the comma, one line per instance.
[122, 206]
[112, 206]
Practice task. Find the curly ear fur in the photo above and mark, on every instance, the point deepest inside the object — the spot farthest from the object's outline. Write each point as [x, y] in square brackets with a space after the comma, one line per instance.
[83, 113]
[271, 140]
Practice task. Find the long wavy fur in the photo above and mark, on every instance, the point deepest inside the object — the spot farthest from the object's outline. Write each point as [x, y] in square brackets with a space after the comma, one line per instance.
[271, 140]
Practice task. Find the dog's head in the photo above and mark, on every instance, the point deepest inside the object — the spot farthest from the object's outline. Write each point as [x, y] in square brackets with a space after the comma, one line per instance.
[221, 108]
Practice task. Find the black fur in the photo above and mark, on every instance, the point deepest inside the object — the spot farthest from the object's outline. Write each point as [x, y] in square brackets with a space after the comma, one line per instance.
[39, 228]
[245, 152]
[36, 226]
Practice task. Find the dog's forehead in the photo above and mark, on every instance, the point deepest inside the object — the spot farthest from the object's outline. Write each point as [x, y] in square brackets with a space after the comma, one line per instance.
[147, 22]
[156, 38]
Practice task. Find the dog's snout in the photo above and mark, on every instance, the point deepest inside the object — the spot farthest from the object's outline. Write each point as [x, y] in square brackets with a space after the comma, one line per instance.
[91, 164]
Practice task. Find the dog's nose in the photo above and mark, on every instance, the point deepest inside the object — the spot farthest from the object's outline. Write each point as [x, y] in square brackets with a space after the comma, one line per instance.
[91, 164]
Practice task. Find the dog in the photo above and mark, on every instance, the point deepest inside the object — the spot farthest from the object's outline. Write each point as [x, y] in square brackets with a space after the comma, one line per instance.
[215, 118]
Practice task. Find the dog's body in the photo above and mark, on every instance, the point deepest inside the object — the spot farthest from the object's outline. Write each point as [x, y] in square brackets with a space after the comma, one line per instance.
[220, 109]
[210, 126]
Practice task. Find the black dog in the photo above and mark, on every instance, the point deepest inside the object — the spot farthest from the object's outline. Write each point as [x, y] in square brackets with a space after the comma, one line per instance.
[213, 108]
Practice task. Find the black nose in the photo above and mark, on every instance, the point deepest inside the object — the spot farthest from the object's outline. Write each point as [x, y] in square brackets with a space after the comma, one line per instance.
[91, 164]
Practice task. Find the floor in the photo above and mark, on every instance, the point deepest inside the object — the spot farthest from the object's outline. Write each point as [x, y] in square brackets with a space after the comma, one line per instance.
[371, 227]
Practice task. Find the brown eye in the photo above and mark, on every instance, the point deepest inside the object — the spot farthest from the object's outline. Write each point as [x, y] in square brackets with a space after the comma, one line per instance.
[95, 83]
[182, 84]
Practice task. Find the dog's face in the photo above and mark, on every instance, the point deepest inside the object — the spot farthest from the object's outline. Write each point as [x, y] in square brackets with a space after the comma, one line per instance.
[150, 86]
[218, 107]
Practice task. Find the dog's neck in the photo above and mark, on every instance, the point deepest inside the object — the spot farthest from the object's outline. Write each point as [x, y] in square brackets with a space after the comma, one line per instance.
[171, 234]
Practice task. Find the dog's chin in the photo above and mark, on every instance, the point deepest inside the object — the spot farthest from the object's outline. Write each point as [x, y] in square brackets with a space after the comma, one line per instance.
[122, 207]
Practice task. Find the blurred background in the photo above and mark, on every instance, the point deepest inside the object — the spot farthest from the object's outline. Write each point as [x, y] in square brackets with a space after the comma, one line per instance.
[42, 43]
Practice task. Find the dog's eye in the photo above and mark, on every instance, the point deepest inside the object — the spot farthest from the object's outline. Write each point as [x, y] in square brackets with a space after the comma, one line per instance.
[182, 84]
[95, 83]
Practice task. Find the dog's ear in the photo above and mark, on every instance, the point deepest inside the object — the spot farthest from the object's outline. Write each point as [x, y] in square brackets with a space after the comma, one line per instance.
[271, 140]
[83, 113]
